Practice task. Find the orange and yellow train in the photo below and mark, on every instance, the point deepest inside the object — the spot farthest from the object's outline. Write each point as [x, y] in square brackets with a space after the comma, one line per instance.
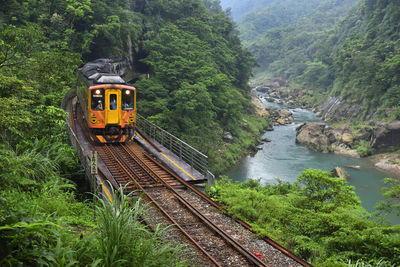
[107, 101]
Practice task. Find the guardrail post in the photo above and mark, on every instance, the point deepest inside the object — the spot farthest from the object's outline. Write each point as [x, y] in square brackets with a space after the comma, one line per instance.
[210, 178]
[191, 155]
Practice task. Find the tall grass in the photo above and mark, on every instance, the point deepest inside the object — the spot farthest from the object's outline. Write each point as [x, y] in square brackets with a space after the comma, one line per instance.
[125, 241]
[42, 223]
[380, 263]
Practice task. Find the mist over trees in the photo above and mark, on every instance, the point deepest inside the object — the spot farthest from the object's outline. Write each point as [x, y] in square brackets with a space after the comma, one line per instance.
[241, 7]
[344, 48]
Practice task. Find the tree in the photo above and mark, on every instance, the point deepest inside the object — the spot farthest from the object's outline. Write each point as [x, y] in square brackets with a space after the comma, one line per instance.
[324, 192]
[392, 195]
[18, 44]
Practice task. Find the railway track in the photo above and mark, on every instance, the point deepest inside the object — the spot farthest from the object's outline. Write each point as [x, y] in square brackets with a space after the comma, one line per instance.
[131, 166]
[200, 223]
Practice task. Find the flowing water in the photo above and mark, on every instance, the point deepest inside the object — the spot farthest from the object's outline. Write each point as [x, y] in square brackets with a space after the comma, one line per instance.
[284, 159]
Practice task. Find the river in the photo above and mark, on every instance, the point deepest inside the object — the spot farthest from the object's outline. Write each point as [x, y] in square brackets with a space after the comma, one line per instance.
[284, 159]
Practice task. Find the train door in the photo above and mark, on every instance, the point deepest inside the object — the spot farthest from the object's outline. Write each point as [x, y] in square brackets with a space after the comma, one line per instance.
[113, 106]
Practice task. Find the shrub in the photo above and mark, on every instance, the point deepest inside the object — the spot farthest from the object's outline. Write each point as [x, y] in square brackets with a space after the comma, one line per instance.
[364, 148]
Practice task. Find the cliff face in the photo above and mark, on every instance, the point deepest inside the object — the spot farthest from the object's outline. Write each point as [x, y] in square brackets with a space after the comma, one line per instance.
[350, 141]
[339, 109]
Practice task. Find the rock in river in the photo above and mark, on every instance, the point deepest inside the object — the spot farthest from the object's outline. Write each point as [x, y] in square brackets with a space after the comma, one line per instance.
[312, 134]
[339, 172]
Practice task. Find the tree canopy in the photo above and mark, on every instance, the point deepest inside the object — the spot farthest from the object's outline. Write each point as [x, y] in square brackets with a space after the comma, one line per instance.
[343, 48]
[319, 218]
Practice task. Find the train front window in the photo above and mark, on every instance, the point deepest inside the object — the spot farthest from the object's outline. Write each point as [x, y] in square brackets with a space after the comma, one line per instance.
[113, 102]
[128, 101]
[97, 96]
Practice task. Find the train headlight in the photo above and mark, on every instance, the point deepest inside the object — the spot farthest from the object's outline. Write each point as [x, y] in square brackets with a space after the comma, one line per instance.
[132, 118]
[93, 118]
[127, 92]
[97, 92]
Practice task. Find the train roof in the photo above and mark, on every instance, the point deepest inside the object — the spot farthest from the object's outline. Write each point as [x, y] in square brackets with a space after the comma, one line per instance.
[104, 71]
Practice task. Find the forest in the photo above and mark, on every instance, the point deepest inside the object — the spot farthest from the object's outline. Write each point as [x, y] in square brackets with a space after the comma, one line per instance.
[344, 48]
[192, 68]
[197, 90]
[319, 218]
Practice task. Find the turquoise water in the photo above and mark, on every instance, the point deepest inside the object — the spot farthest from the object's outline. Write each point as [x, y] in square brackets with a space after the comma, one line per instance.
[284, 159]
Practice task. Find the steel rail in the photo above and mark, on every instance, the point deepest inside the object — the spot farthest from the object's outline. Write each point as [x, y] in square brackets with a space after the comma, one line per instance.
[119, 159]
[73, 119]
[236, 245]
[268, 240]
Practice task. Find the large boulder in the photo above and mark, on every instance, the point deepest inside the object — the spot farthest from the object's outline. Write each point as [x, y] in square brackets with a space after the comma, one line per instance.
[386, 135]
[345, 150]
[313, 135]
[259, 106]
[283, 116]
[262, 89]
[389, 162]
[285, 113]
[340, 172]
[281, 121]
[227, 136]
[340, 134]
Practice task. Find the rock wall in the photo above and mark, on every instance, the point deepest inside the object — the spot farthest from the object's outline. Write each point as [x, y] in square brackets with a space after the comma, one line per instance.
[344, 140]
[386, 135]
[318, 137]
[339, 109]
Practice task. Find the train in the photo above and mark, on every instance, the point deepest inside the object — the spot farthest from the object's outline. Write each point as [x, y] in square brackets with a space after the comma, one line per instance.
[108, 103]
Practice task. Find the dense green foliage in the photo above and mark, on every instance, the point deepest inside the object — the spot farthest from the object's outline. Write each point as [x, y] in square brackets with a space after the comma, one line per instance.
[197, 90]
[392, 195]
[125, 241]
[336, 47]
[198, 68]
[278, 15]
[48, 227]
[286, 47]
[367, 62]
[198, 78]
[191, 51]
[319, 217]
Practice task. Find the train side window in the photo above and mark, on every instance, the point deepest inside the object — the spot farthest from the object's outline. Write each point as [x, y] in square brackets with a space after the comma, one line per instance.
[97, 99]
[128, 100]
[113, 102]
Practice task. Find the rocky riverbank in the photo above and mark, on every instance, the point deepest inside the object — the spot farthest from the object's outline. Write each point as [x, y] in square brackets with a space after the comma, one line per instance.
[352, 141]
[389, 162]
[357, 140]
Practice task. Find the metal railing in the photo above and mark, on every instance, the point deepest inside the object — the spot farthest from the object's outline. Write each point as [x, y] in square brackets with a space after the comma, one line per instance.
[94, 180]
[185, 152]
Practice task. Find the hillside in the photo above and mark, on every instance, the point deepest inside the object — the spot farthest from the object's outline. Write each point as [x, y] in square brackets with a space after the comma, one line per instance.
[191, 51]
[366, 59]
[197, 89]
[342, 49]
[241, 7]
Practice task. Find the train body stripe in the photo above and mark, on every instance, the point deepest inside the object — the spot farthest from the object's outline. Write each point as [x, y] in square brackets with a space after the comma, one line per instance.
[99, 114]
[126, 116]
